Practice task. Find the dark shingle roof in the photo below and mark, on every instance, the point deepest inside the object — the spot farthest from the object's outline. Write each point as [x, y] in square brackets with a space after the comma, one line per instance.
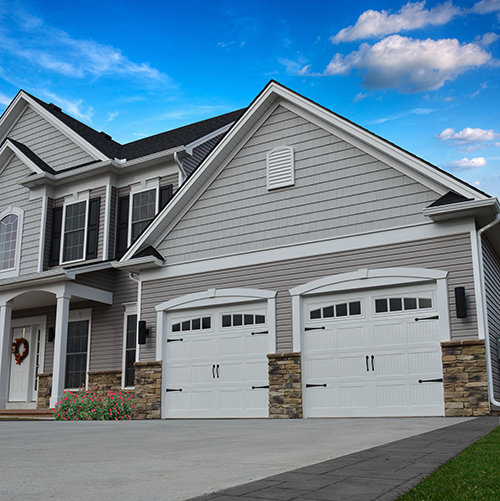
[142, 147]
[34, 158]
[177, 137]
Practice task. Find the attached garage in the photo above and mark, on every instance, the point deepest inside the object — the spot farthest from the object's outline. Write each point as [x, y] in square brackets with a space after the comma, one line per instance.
[372, 351]
[215, 358]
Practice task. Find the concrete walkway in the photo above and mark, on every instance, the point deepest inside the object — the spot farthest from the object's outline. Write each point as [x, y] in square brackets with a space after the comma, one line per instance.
[381, 473]
[178, 460]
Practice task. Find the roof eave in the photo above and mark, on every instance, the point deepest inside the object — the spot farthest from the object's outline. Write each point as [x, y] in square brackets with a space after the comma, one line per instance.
[474, 208]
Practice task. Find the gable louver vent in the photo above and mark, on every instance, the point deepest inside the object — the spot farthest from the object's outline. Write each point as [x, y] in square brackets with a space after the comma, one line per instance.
[280, 168]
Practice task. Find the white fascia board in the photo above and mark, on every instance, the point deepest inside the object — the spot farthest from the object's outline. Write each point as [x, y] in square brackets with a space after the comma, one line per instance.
[138, 264]
[8, 149]
[64, 129]
[191, 146]
[462, 209]
[40, 278]
[365, 240]
[393, 156]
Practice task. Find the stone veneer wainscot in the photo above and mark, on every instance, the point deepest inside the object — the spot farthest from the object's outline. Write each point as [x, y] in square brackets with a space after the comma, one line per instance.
[285, 386]
[147, 400]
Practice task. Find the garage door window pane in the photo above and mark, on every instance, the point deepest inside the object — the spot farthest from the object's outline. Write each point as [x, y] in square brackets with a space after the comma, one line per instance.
[176, 327]
[424, 303]
[196, 323]
[206, 322]
[248, 319]
[395, 304]
[186, 325]
[328, 312]
[341, 310]
[237, 320]
[410, 303]
[226, 320]
[380, 305]
[355, 308]
[260, 319]
[315, 314]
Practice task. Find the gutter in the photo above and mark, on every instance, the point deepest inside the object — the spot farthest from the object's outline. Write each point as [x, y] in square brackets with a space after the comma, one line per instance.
[487, 346]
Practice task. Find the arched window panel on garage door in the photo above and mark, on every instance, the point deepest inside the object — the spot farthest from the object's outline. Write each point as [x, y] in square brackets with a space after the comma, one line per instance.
[402, 304]
[242, 319]
[193, 324]
[337, 310]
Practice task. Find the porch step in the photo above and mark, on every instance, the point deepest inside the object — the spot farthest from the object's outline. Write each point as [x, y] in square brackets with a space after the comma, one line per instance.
[33, 414]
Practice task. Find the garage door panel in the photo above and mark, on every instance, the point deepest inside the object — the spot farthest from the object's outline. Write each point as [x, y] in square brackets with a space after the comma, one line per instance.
[217, 362]
[400, 351]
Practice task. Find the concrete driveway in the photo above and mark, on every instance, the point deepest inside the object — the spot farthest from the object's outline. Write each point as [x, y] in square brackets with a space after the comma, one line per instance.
[176, 460]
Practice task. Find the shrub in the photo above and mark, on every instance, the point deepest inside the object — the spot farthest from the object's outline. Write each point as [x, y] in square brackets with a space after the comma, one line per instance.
[90, 405]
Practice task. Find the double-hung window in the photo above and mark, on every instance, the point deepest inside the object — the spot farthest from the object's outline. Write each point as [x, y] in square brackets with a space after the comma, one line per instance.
[143, 211]
[129, 345]
[74, 231]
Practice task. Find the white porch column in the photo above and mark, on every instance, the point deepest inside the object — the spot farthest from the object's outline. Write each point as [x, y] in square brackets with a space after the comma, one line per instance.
[60, 344]
[5, 351]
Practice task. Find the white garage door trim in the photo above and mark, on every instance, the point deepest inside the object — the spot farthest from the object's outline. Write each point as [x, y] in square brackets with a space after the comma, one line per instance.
[216, 299]
[365, 279]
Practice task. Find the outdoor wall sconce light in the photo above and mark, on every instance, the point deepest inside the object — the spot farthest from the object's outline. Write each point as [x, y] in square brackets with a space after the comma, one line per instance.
[51, 335]
[460, 302]
[142, 331]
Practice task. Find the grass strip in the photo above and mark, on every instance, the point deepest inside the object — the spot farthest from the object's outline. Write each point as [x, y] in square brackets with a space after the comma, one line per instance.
[473, 474]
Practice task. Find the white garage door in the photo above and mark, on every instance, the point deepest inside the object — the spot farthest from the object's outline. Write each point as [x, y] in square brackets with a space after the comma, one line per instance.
[217, 363]
[374, 353]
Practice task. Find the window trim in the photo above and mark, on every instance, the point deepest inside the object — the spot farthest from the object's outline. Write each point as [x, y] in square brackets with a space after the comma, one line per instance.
[130, 309]
[14, 271]
[68, 202]
[78, 316]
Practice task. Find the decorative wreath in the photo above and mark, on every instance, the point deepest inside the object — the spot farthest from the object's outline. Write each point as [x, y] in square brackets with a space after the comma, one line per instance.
[15, 349]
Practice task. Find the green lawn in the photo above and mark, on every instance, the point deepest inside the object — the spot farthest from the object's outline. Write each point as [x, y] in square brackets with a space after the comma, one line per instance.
[473, 474]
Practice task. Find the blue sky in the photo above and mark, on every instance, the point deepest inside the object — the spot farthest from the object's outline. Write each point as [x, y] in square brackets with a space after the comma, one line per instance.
[424, 75]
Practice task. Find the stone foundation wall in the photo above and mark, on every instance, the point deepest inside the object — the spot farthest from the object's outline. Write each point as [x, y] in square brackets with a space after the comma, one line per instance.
[44, 390]
[464, 378]
[147, 400]
[105, 381]
[285, 386]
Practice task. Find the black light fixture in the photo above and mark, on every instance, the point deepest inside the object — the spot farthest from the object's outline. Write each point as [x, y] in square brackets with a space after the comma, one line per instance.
[460, 302]
[51, 334]
[142, 331]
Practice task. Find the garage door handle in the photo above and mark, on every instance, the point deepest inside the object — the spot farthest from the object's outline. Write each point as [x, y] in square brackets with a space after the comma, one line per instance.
[439, 380]
[315, 328]
[367, 366]
[258, 387]
[173, 389]
[213, 371]
[174, 340]
[427, 318]
[313, 385]
[217, 369]
[257, 333]
[373, 368]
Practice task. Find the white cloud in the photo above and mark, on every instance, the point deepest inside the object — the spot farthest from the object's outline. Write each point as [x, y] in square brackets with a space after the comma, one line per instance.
[411, 16]
[70, 107]
[468, 135]
[52, 49]
[466, 164]
[409, 65]
[112, 116]
[486, 6]
[476, 183]
[360, 96]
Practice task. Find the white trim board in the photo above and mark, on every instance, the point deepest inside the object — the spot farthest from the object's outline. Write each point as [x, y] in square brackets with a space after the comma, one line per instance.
[309, 249]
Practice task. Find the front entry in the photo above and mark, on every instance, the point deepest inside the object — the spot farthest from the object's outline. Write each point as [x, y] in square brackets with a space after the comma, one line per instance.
[216, 362]
[23, 384]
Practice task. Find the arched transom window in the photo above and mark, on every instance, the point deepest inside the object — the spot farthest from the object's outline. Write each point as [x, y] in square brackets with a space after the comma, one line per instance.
[9, 231]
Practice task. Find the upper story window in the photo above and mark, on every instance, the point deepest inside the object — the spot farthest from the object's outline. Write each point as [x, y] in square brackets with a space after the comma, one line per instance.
[10, 241]
[136, 211]
[143, 211]
[75, 231]
[75, 221]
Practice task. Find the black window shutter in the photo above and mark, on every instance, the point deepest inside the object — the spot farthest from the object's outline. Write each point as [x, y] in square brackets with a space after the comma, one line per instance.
[165, 195]
[93, 228]
[55, 242]
[122, 226]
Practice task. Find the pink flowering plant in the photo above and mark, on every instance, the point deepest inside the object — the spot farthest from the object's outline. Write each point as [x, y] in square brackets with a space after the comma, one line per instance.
[92, 405]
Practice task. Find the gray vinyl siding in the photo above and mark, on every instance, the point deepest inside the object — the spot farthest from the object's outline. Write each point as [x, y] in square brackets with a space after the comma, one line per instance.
[452, 254]
[491, 264]
[237, 213]
[199, 153]
[100, 193]
[13, 194]
[53, 147]
[48, 234]
[173, 179]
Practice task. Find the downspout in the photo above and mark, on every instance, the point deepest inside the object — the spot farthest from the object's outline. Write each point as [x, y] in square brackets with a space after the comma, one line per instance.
[489, 371]
[132, 276]
[181, 167]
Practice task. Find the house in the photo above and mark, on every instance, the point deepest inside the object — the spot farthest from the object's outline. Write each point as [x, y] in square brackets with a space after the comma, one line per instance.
[279, 261]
